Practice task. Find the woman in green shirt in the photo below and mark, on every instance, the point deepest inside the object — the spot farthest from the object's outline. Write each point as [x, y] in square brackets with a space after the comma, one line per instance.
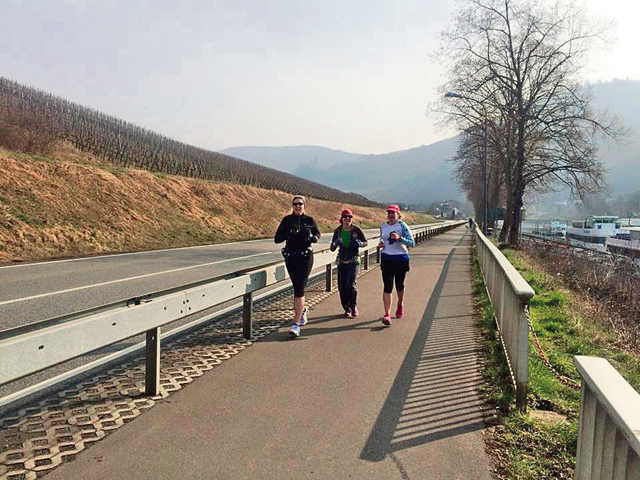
[349, 239]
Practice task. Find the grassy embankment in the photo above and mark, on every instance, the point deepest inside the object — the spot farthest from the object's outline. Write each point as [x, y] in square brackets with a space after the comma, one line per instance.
[542, 445]
[69, 203]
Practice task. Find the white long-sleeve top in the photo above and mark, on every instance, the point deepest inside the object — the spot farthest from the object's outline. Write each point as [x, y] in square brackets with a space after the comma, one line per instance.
[399, 247]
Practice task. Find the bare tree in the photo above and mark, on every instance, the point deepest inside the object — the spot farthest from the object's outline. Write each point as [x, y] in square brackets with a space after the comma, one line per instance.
[469, 162]
[515, 66]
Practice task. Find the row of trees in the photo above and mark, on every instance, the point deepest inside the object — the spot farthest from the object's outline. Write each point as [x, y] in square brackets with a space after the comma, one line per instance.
[514, 90]
[41, 117]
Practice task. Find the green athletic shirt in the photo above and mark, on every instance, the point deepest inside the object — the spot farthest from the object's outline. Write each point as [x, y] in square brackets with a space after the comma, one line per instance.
[346, 238]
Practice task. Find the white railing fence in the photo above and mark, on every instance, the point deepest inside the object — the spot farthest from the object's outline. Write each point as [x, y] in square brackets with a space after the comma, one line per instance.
[609, 435]
[510, 295]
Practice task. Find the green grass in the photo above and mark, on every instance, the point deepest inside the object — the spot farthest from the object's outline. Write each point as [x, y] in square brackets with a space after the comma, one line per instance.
[532, 448]
[528, 448]
[30, 218]
[33, 156]
[538, 449]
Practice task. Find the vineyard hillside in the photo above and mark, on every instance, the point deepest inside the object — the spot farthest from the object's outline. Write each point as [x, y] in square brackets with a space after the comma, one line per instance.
[30, 118]
[70, 203]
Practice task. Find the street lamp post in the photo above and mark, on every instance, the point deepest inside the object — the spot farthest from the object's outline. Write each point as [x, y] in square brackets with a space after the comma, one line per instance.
[485, 175]
[486, 178]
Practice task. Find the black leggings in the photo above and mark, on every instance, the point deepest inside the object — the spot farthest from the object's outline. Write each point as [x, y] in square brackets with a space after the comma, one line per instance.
[347, 277]
[394, 270]
[299, 269]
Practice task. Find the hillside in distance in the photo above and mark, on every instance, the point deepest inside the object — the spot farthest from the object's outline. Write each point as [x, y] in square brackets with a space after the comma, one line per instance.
[417, 175]
[288, 159]
[423, 174]
[69, 203]
[27, 114]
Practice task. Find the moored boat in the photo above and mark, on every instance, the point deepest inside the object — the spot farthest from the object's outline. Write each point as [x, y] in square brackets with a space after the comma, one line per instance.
[627, 242]
[592, 232]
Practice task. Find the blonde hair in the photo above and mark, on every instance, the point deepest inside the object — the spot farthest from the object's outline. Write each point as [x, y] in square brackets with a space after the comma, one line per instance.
[298, 197]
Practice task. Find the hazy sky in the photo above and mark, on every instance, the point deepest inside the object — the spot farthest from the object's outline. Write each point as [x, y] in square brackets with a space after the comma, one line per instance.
[350, 75]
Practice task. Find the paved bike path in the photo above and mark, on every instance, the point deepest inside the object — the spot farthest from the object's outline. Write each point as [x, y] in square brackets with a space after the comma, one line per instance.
[348, 399]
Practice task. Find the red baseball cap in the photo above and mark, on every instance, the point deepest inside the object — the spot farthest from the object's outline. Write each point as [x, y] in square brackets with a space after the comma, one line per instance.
[393, 208]
[345, 212]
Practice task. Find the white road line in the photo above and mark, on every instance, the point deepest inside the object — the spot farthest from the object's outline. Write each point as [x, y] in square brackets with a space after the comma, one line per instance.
[112, 255]
[17, 300]
[100, 257]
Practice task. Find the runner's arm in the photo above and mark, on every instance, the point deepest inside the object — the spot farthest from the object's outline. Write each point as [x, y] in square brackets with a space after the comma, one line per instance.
[282, 233]
[407, 237]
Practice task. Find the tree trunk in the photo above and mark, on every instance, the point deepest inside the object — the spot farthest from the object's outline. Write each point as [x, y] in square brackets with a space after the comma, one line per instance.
[518, 191]
[508, 219]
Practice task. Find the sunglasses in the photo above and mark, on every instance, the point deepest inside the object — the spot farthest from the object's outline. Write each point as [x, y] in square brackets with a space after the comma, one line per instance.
[347, 216]
[298, 204]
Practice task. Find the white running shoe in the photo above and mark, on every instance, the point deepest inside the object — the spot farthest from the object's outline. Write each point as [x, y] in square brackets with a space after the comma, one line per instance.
[295, 330]
[304, 318]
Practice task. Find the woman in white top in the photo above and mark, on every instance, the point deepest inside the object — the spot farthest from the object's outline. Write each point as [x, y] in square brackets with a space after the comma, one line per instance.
[395, 237]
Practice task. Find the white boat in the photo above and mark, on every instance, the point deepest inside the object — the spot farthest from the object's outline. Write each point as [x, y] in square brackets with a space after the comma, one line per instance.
[592, 232]
[556, 229]
[627, 242]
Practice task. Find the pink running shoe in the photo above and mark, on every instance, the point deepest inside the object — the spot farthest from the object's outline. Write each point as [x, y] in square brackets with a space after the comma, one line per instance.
[386, 319]
[400, 311]
[355, 312]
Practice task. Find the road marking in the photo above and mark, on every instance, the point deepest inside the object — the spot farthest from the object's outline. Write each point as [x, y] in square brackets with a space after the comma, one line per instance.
[111, 255]
[100, 257]
[7, 302]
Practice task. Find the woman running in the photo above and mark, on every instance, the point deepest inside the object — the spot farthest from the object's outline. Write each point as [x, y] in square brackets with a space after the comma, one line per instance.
[349, 238]
[299, 231]
[395, 237]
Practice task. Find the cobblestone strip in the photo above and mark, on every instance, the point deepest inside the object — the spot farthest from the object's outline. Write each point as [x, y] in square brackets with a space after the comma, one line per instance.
[36, 439]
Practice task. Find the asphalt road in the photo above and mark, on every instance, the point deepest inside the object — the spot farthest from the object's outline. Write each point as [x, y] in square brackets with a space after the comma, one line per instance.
[34, 292]
[38, 291]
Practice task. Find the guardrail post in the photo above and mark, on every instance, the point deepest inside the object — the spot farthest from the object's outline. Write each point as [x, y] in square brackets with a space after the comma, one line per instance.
[366, 259]
[328, 277]
[522, 357]
[377, 254]
[152, 372]
[247, 315]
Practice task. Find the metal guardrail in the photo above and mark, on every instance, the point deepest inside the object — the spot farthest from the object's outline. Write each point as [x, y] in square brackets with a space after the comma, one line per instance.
[38, 346]
[510, 294]
[609, 435]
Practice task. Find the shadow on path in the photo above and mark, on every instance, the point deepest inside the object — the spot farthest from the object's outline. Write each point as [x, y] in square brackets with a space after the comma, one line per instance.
[434, 394]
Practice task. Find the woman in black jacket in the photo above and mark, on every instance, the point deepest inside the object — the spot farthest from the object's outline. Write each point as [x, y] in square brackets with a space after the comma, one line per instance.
[299, 231]
[349, 238]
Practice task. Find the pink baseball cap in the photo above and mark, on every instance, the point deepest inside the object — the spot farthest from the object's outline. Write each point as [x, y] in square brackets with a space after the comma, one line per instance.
[393, 208]
[345, 212]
